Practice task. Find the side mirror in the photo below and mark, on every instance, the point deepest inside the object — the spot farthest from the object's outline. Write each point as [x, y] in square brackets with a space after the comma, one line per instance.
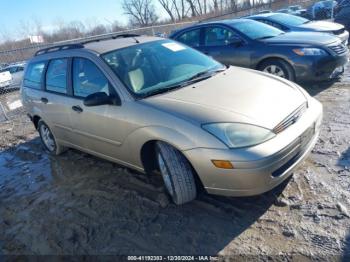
[235, 41]
[101, 98]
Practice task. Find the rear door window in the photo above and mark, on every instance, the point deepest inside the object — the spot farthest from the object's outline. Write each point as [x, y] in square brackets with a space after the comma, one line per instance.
[56, 76]
[33, 75]
[88, 78]
[190, 38]
[218, 36]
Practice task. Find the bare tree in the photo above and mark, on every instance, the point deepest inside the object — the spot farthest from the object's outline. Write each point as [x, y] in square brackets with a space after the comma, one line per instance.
[168, 6]
[192, 7]
[141, 12]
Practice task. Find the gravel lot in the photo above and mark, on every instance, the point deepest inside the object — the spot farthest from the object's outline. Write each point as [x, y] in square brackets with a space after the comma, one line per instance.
[79, 204]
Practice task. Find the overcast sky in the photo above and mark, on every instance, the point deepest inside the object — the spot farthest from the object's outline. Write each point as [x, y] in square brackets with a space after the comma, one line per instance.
[48, 12]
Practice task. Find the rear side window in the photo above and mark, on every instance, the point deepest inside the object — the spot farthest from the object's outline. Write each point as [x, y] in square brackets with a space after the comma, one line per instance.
[87, 78]
[190, 38]
[33, 75]
[56, 76]
[217, 36]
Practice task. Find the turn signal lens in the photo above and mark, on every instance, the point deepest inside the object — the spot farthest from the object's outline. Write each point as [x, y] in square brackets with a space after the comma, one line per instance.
[222, 164]
[298, 52]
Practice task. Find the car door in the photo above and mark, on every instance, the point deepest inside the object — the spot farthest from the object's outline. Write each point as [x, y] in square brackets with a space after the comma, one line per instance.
[97, 129]
[226, 46]
[56, 100]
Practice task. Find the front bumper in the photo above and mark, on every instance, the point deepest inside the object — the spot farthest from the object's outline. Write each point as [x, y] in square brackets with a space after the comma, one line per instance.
[260, 168]
[314, 68]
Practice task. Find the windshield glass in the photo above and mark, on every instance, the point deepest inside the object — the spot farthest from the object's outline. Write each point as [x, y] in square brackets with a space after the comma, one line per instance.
[256, 30]
[158, 65]
[289, 20]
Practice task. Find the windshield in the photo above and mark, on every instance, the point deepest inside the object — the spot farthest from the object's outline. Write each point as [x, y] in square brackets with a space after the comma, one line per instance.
[256, 30]
[157, 66]
[289, 20]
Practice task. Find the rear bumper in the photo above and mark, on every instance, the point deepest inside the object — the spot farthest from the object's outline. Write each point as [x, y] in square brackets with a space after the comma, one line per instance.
[320, 68]
[266, 165]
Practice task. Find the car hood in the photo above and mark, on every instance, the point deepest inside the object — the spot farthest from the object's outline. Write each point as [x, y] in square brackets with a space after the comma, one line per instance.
[236, 95]
[324, 26]
[303, 38]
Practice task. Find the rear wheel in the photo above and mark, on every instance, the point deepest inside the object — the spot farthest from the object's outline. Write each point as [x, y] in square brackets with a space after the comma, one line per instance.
[279, 68]
[48, 140]
[177, 173]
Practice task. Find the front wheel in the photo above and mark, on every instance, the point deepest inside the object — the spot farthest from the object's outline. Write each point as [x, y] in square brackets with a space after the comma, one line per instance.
[279, 68]
[177, 173]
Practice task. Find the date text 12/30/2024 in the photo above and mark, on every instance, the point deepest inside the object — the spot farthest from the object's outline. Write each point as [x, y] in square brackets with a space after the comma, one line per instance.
[172, 258]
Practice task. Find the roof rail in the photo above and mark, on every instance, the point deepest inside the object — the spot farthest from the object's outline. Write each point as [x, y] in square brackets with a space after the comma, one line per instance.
[110, 37]
[58, 48]
[81, 44]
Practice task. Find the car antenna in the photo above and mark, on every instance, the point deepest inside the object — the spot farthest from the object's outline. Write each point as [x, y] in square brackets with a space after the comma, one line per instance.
[137, 41]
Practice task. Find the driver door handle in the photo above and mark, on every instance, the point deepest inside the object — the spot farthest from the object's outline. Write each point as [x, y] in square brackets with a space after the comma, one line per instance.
[77, 109]
[44, 100]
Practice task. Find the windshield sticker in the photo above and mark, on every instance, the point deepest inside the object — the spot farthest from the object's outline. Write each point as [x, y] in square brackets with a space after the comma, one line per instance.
[174, 47]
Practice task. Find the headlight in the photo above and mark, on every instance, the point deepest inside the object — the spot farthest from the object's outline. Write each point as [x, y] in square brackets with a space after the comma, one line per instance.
[309, 51]
[236, 135]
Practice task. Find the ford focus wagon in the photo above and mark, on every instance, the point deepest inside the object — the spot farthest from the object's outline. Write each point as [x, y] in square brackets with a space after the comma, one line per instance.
[154, 104]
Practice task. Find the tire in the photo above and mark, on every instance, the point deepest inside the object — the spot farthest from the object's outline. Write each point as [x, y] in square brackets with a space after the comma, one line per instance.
[45, 133]
[177, 173]
[279, 64]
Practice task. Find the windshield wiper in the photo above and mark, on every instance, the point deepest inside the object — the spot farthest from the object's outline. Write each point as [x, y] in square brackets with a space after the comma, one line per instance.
[264, 37]
[268, 36]
[197, 77]
[205, 74]
[161, 90]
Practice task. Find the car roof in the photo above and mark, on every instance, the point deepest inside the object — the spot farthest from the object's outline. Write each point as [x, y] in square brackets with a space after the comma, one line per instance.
[99, 46]
[216, 22]
[106, 46]
[265, 14]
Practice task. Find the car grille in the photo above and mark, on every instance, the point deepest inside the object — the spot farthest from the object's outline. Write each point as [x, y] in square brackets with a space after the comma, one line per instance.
[305, 140]
[339, 49]
[338, 32]
[291, 119]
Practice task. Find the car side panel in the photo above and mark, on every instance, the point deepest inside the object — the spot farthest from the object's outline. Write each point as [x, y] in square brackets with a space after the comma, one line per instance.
[56, 113]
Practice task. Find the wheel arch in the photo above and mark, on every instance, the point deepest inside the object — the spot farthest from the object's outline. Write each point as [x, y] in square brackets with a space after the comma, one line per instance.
[149, 160]
[36, 120]
[278, 58]
[269, 58]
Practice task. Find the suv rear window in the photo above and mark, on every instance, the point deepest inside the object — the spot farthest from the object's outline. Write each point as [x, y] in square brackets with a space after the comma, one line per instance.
[33, 75]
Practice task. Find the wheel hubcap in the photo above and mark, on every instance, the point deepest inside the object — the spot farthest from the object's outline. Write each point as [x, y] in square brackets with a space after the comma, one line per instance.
[275, 70]
[47, 138]
[165, 174]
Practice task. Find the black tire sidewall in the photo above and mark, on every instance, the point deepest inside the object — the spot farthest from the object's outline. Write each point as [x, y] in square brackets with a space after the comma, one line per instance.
[42, 123]
[174, 196]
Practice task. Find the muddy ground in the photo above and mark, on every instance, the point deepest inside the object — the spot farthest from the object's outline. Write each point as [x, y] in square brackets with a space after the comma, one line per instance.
[79, 204]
